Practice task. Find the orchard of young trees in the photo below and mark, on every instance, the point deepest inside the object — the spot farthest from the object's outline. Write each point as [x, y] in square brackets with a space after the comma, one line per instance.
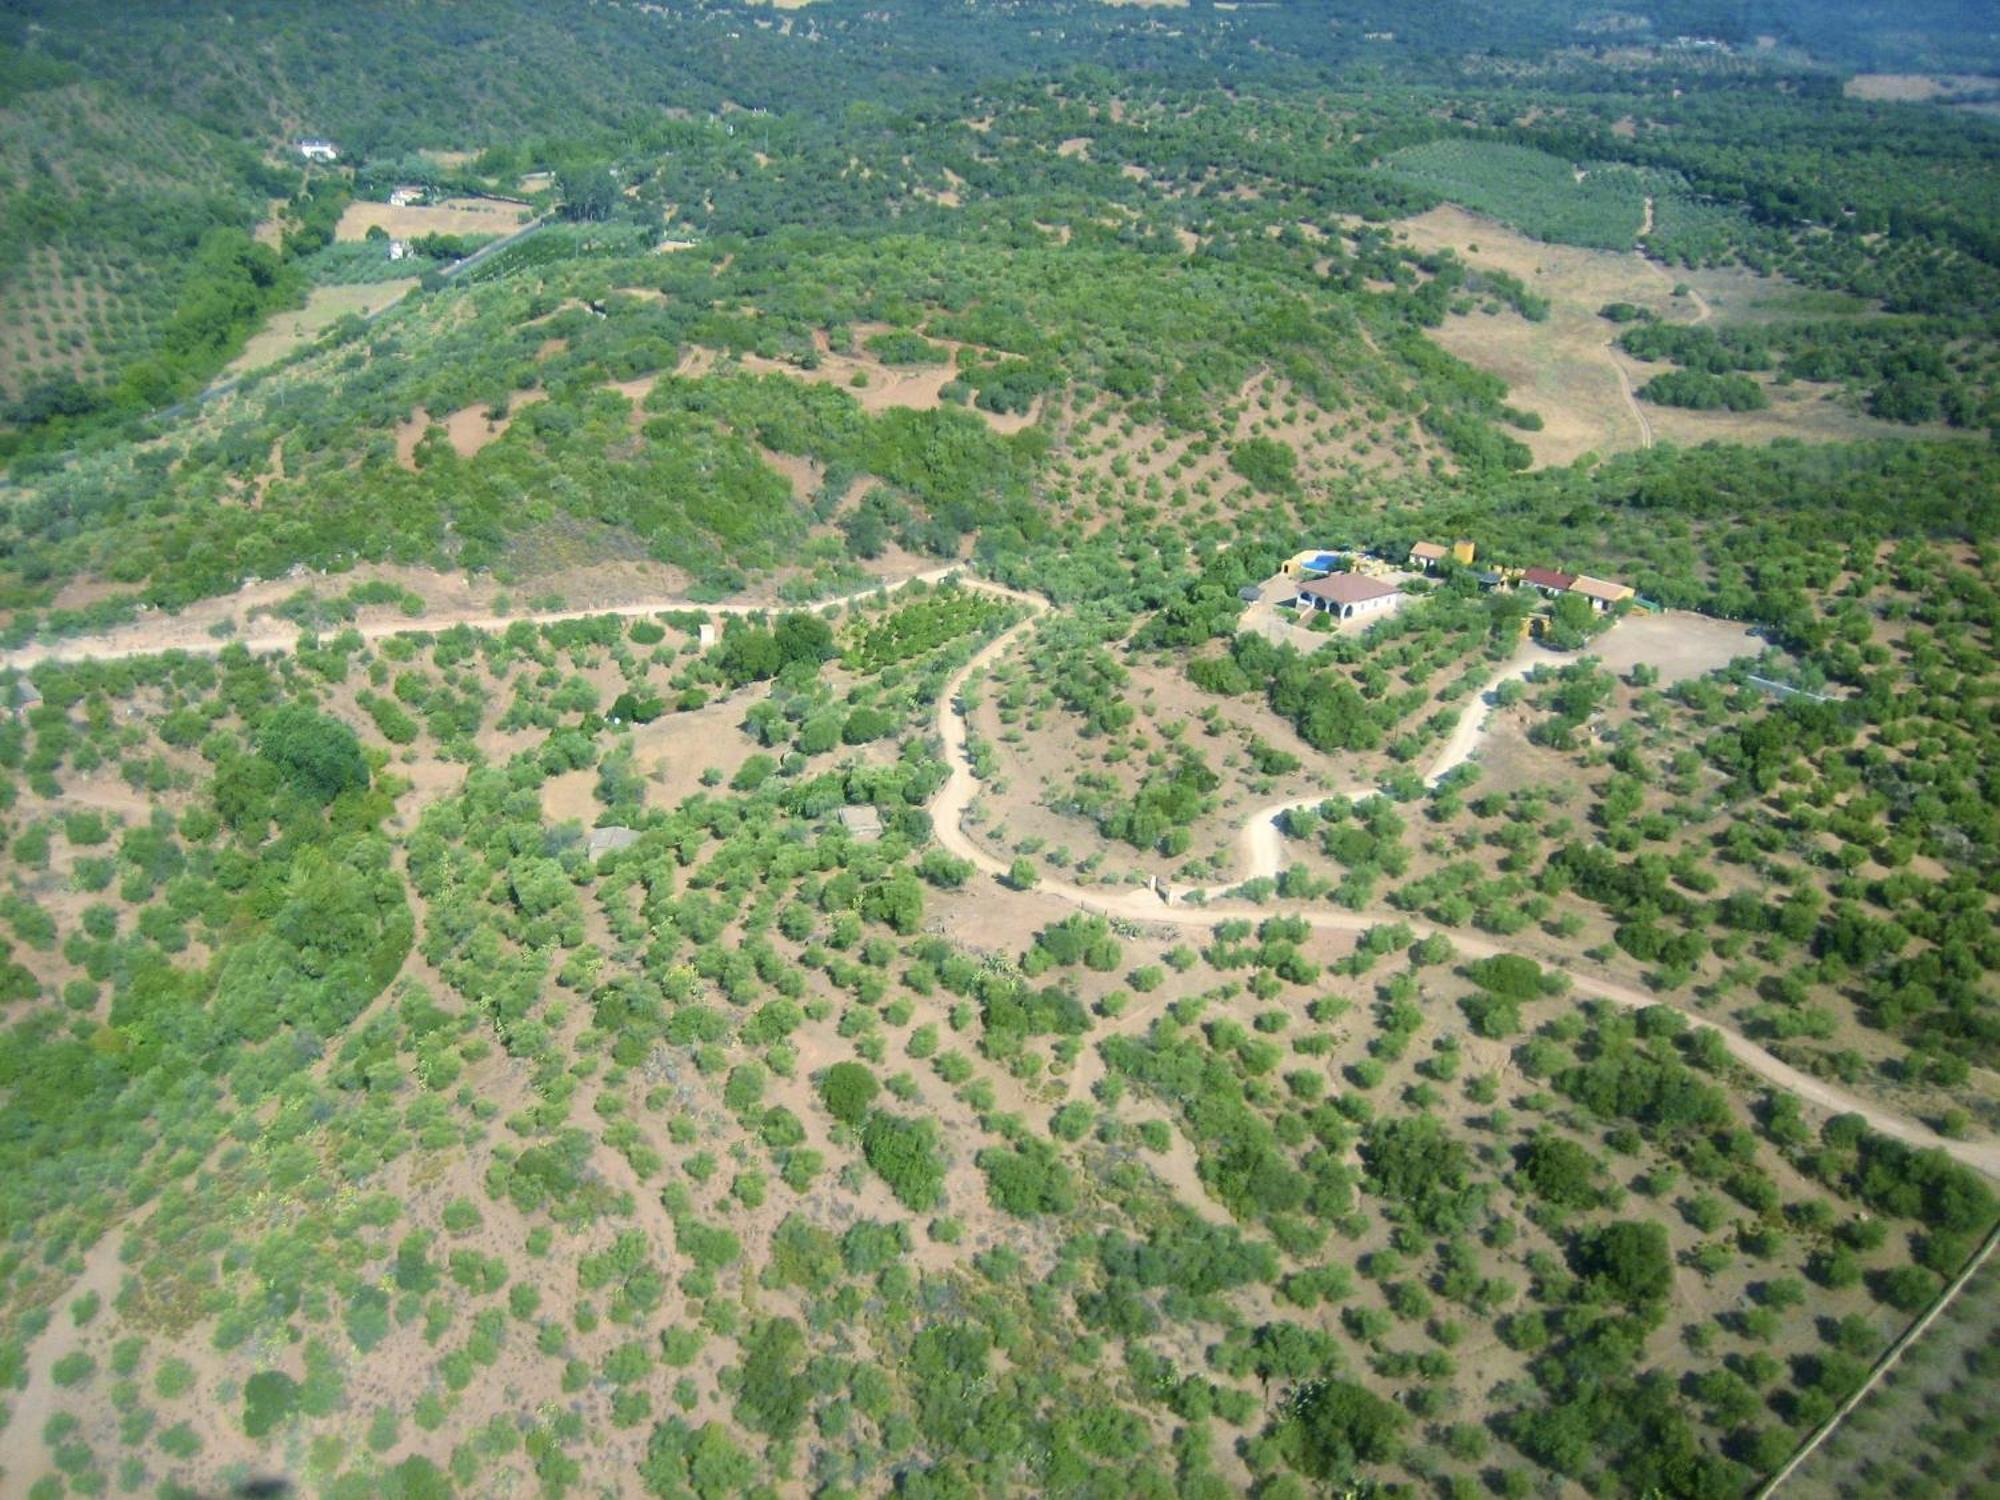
[455, 1043]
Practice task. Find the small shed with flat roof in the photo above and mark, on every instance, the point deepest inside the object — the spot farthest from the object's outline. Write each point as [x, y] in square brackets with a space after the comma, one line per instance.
[862, 822]
[609, 839]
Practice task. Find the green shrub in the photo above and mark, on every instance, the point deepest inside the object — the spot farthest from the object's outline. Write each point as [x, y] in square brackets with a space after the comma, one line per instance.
[1028, 1180]
[270, 1397]
[905, 1153]
[848, 1090]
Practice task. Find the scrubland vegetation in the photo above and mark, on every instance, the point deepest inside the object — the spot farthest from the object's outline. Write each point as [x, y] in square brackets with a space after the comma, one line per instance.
[497, 995]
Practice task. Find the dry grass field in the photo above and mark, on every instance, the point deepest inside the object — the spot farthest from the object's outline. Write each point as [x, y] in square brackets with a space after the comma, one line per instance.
[325, 306]
[452, 216]
[1915, 88]
[1675, 644]
[1566, 368]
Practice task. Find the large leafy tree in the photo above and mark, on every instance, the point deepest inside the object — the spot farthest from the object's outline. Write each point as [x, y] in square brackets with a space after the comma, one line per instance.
[314, 754]
[588, 193]
[1335, 1426]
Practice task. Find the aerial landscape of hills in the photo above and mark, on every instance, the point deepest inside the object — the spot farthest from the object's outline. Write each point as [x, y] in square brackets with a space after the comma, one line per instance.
[1024, 747]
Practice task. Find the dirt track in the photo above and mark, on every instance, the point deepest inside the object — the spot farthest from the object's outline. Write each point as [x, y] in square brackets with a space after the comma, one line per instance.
[1703, 312]
[142, 639]
[1262, 842]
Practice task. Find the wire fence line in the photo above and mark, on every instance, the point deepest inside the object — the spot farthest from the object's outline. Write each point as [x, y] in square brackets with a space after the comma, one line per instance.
[1883, 1366]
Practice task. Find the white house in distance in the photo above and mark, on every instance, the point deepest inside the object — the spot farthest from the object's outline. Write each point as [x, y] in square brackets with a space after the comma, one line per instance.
[399, 249]
[405, 196]
[318, 148]
[1349, 596]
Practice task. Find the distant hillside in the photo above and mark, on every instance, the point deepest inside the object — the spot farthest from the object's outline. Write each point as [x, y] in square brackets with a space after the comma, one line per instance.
[105, 204]
[384, 77]
[140, 146]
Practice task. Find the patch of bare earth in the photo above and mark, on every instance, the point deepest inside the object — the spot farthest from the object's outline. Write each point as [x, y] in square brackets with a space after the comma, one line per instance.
[696, 363]
[270, 229]
[800, 472]
[81, 593]
[570, 795]
[636, 391]
[915, 389]
[469, 429]
[673, 751]
[1676, 644]
[881, 387]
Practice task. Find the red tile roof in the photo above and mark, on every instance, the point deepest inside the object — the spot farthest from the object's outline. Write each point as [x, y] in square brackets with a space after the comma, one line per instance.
[1547, 578]
[1348, 588]
[1428, 551]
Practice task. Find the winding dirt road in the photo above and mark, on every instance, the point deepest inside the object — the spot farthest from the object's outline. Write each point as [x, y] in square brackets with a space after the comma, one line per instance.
[1262, 845]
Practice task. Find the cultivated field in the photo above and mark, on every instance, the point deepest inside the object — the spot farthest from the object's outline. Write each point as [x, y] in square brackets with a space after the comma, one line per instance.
[1930, 1425]
[287, 332]
[452, 216]
[84, 294]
